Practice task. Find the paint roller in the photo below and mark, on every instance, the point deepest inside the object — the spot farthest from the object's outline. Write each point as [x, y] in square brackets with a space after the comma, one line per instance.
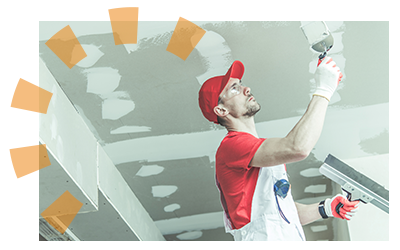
[319, 37]
[355, 184]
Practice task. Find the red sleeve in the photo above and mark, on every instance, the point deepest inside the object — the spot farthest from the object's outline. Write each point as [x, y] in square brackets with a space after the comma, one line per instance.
[238, 150]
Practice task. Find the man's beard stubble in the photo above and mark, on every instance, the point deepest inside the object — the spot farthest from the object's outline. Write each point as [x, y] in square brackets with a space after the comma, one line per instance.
[252, 110]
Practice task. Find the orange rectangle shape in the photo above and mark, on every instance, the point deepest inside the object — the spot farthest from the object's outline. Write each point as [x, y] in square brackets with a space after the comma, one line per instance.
[185, 38]
[124, 23]
[123, 14]
[44, 160]
[62, 211]
[29, 159]
[31, 97]
[125, 32]
[67, 47]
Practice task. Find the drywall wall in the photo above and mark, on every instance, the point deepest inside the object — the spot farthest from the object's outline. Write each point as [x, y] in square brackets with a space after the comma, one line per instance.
[80, 165]
[68, 138]
[124, 201]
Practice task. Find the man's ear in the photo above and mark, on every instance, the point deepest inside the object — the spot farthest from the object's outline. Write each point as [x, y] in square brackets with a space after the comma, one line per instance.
[221, 111]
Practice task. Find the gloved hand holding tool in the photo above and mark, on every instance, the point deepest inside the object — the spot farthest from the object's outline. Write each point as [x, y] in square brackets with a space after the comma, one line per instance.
[321, 40]
[339, 207]
[357, 186]
[327, 78]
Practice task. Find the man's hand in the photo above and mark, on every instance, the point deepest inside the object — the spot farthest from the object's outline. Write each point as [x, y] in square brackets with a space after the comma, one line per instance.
[327, 78]
[340, 207]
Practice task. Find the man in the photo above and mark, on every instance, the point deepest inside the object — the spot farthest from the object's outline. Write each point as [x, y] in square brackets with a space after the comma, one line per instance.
[251, 172]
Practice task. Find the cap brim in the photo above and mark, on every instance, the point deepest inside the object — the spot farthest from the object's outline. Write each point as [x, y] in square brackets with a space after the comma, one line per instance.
[235, 71]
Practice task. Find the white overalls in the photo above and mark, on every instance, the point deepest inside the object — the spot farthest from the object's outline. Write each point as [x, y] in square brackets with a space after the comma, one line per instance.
[266, 222]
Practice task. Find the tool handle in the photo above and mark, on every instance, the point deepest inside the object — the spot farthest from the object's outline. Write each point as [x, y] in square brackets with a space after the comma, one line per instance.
[348, 196]
[321, 57]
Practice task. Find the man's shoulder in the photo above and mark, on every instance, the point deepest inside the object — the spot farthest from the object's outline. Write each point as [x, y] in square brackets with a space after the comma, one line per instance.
[238, 135]
[235, 140]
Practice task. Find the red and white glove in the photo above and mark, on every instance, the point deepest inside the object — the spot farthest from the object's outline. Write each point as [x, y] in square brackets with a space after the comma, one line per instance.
[327, 78]
[340, 207]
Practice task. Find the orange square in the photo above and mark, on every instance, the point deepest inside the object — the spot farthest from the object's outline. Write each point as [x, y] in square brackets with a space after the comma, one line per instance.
[30, 97]
[124, 23]
[185, 38]
[62, 211]
[123, 14]
[124, 32]
[29, 159]
[67, 47]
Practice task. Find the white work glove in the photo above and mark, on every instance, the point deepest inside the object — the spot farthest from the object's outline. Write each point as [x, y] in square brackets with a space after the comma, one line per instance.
[327, 78]
[340, 207]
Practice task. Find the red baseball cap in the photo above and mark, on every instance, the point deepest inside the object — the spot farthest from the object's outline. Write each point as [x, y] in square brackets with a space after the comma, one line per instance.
[212, 88]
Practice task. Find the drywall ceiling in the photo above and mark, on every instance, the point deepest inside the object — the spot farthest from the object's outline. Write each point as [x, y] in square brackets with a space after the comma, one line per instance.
[140, 102]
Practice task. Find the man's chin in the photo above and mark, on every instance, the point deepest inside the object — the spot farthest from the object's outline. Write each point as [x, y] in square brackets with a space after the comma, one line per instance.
[253, 110]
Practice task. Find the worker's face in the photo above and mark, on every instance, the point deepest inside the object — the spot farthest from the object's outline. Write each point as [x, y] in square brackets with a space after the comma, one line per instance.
[238, 99]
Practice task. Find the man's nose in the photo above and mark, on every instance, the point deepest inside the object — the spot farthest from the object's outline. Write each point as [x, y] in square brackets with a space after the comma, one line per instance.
[247, 90]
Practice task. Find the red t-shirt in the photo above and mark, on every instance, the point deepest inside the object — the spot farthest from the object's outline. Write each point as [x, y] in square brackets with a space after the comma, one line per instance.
[235, 179]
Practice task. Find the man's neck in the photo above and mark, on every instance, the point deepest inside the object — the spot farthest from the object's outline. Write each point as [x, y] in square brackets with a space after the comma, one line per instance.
[243, 125]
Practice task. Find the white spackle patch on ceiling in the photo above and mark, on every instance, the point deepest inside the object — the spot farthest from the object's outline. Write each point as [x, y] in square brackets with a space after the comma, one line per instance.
[114, 109]
[102, 80]
[315, 189]
[162, 191]
[149, 170]
[93, 54]
[130, 47]
[319, 228]
[172, 207]
[115, 104]
[190, 235]
[310, 172]
[130, 129]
